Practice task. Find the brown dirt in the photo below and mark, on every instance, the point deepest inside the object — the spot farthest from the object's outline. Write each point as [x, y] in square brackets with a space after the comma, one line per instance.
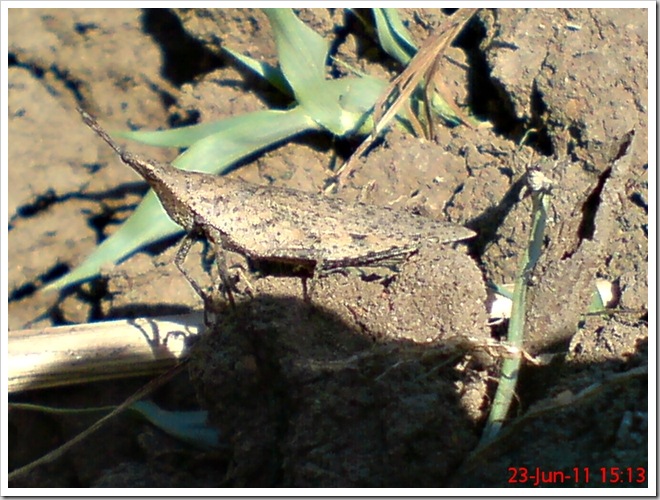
[378, 382]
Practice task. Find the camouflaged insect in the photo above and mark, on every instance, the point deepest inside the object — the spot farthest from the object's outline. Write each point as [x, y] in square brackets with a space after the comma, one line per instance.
[309, 233]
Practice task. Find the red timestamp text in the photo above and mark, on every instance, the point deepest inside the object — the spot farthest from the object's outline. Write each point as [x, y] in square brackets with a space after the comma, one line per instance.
[536, 476]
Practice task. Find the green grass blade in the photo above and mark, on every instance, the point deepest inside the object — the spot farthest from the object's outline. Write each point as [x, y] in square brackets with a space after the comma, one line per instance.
[515, 335]
[404, 37]
[188, 426]
[444, 111]
[393, 37]
[140, 229]
[182, 137]
[303, 54]
[357, 96]
[216, 153]
[50, 410]
[227, 129]
[269, 73]
[597, 305]
[250, 133]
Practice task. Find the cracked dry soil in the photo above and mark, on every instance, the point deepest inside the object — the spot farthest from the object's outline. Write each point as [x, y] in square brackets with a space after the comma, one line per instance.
[372, 385]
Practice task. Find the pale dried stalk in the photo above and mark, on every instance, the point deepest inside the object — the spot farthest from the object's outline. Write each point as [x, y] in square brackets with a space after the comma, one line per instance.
[66, 355]
[421, 68]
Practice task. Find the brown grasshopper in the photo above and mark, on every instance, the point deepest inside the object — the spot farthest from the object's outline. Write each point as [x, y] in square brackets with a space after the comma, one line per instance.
[309, 234]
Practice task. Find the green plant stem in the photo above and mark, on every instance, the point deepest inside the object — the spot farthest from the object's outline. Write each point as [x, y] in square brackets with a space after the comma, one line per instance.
[515, 334]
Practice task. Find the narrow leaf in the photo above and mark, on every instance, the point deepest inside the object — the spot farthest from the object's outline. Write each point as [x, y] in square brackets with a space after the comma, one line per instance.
[303, 54]
[269, 73]
[393, 36]
[187, 426]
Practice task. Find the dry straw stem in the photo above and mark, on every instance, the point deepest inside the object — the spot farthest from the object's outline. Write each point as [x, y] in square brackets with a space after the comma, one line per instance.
[421, 68]
[66, 355]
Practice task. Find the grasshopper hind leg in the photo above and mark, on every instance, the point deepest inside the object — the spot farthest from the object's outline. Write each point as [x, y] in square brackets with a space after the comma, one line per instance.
[223, 272]
[179, 260]
[209, 299]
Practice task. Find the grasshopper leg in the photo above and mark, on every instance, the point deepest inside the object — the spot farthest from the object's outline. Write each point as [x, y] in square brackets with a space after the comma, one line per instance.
[308, 289]
[305, 290]
[179, 260]
[181, 254]
[223, 272]
[217, 240]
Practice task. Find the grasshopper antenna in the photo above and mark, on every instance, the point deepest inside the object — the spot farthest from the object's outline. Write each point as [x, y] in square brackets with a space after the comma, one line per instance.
[91, 122]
